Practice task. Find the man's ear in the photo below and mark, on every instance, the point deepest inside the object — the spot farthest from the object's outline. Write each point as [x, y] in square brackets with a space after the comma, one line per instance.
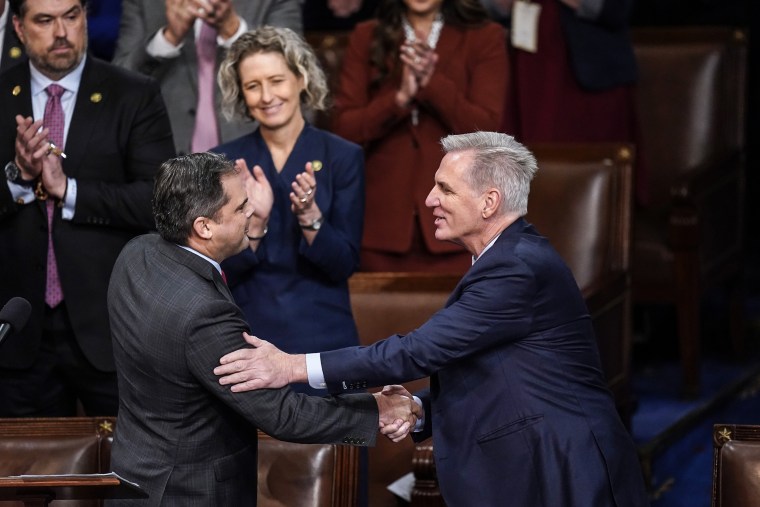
[17, 26]
[491, 202]
[201, 228]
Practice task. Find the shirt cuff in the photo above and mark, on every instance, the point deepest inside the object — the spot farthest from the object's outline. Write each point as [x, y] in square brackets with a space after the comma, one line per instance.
[420, 421]
[314, 371]
[159, 47]
[22, 194]
[70, 199]
[228, 42]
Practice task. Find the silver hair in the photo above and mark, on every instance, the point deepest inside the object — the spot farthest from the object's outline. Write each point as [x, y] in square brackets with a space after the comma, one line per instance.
[498, 161]
[299, 57]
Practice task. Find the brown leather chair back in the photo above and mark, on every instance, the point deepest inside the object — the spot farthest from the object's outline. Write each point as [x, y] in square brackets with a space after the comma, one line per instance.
[42, 446]
[306, 474]
[691, 100]
[688, 236]
[312, 475]
[736, 465]
[581, 200]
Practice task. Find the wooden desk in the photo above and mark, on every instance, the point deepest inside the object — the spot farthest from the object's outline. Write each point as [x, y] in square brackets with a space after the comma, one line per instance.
[40, 490]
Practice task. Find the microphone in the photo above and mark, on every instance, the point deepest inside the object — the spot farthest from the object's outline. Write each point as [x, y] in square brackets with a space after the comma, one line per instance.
[13, 316]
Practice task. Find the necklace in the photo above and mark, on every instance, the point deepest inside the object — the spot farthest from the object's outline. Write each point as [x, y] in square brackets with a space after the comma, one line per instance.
[435, 30]
[432, 41]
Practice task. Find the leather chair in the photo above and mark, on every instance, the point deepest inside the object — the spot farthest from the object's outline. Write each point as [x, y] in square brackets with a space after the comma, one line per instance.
[736, 465]
[384, 304]
[316, 475]
[581, 201]
[75, 445]
[688, 235]
[288, 473]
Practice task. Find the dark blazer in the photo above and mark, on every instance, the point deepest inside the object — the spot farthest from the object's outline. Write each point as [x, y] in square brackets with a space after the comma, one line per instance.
[183, 437]
[600, 50]
[465, 93]
[13, 51]
[141, 19]
[118, 137]
[293, 293]
[518, 407]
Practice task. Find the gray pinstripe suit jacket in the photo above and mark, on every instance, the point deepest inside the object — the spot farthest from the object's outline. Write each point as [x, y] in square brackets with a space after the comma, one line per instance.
[141, 19]
[181, 436]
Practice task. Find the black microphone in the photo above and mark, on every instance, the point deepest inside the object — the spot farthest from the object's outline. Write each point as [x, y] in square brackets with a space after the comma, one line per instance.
[13, 316]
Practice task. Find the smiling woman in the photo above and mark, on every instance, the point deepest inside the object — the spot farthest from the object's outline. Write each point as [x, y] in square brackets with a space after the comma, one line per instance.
[307, 189]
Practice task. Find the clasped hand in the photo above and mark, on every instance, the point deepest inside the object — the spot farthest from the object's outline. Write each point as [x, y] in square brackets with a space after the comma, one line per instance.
[181, 14]
[34, 158]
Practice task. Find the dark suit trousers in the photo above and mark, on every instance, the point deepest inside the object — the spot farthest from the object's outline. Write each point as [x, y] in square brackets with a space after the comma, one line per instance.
[59, 378]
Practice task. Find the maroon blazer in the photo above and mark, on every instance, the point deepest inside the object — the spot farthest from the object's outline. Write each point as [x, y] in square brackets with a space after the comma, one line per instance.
[465, 93]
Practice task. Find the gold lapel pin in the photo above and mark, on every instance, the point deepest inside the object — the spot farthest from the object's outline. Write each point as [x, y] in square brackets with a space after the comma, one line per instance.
[15, 52]
[16, 90]
[96, 97]
[316, 165]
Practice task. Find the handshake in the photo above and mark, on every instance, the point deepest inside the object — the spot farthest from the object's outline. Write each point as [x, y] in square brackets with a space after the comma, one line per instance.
[398, 412]
[266, 366]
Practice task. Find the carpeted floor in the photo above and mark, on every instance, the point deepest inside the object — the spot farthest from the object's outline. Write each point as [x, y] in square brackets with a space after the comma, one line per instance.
[673, 434]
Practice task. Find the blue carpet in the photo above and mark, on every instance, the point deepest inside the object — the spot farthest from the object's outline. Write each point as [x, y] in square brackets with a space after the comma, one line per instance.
[674, 435]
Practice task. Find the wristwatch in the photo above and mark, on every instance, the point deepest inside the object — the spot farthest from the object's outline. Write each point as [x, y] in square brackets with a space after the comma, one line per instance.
[315, 224]
[13, 174]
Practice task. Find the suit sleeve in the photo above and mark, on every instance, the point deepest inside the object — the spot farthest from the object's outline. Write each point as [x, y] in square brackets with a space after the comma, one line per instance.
[362, 117]
[281, 413]
[285, 13]
[480, 105]
[335, 250]
[494, 308]
[143, 124]
[131, 45]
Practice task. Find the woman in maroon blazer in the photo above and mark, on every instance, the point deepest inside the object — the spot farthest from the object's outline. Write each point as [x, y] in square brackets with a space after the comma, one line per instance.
[420, 71]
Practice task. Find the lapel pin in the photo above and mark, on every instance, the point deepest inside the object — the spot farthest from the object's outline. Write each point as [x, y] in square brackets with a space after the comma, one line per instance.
[96, 97]
[16, 90]
[15, 52]
[316, 165]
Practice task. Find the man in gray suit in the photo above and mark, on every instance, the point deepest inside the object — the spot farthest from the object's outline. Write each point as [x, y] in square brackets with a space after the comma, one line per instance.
[161, 39]
[182, 436]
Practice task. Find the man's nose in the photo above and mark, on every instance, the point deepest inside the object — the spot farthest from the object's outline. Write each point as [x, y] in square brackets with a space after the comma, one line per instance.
[60, 28]
[431, 201]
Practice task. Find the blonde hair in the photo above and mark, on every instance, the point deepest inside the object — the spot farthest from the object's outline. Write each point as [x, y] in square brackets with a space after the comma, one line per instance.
[299, 57]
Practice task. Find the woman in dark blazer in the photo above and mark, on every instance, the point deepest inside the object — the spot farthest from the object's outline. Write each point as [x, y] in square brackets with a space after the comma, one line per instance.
[418, 72]
[307, 188]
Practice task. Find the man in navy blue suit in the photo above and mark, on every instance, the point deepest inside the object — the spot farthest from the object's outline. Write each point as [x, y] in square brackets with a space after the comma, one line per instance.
[518, 407]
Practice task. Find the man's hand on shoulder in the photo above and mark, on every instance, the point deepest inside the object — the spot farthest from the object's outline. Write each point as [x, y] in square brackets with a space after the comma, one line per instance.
[264, 366]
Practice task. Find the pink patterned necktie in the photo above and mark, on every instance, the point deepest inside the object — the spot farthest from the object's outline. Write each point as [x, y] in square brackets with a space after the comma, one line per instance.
[53, 120]
[206, 131]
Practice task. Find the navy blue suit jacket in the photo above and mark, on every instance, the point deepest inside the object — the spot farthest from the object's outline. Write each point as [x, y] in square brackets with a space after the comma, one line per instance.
[518, 404]
[293, 293]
